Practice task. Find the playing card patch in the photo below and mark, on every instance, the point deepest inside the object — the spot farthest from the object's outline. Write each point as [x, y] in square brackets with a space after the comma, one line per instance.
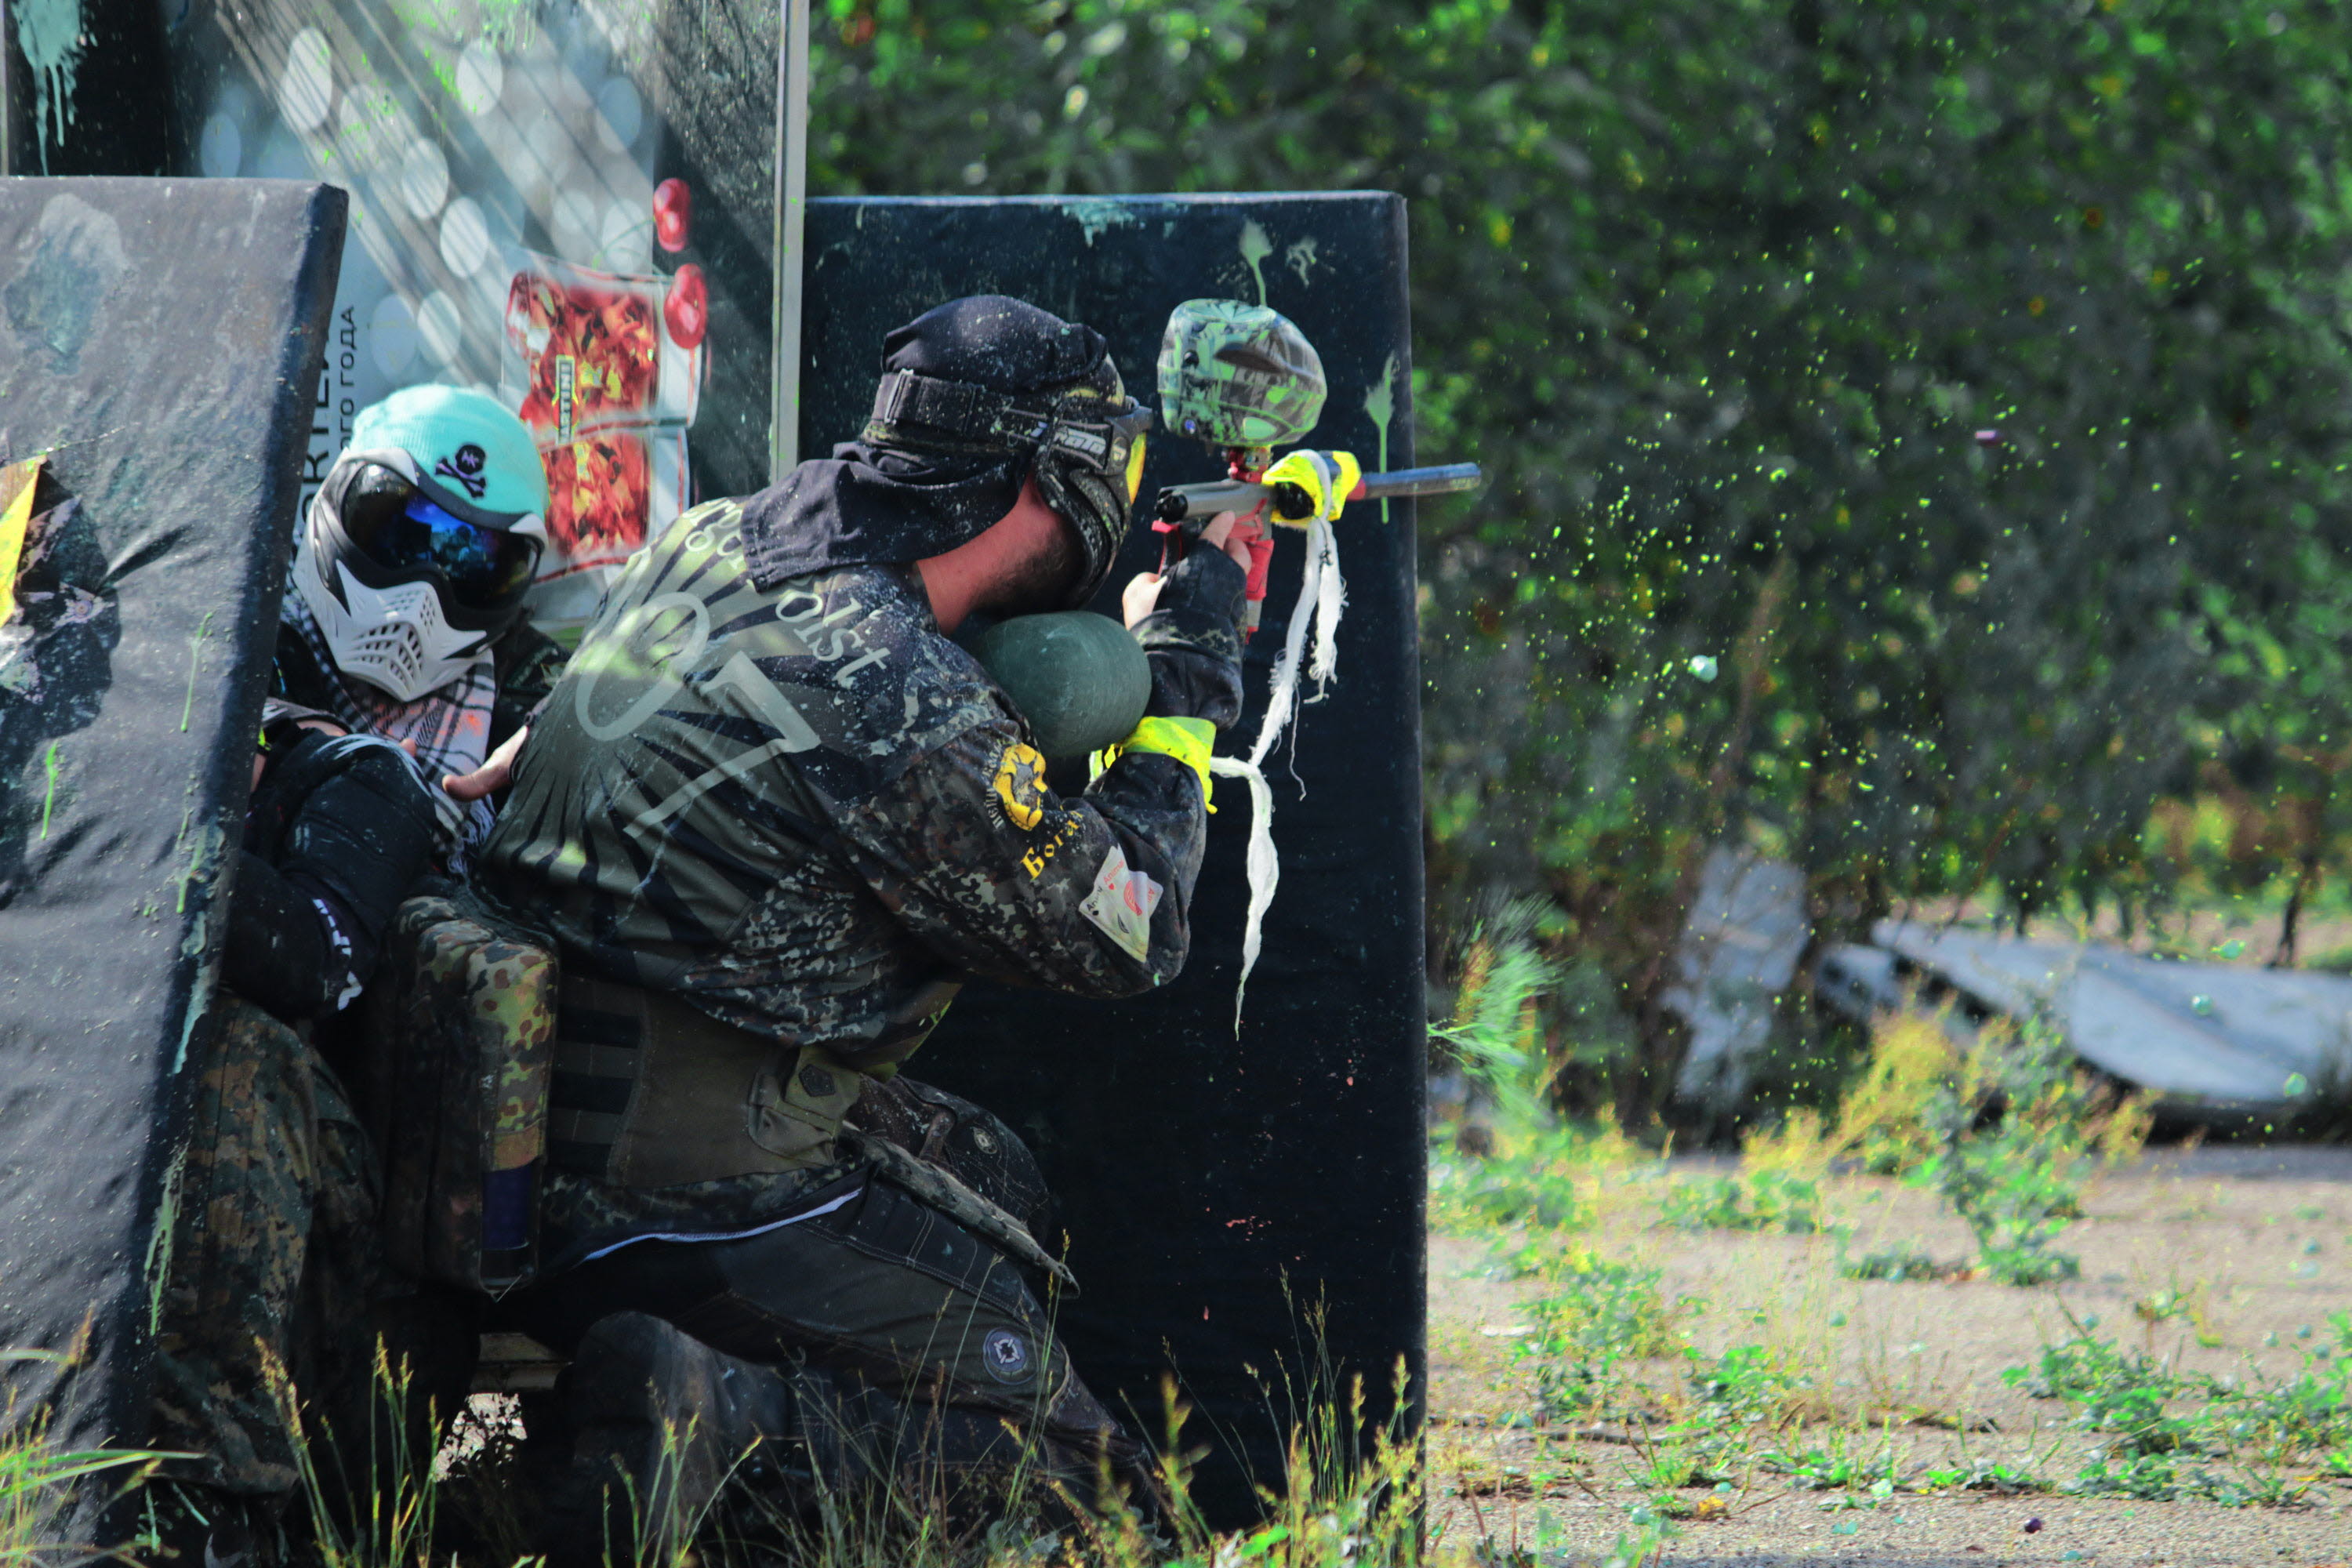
[1122, 902]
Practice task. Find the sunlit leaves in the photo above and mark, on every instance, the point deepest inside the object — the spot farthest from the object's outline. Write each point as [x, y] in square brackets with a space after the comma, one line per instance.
[1719, 289]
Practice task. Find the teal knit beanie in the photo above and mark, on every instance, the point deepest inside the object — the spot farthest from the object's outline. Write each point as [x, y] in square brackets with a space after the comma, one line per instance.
[466, 442]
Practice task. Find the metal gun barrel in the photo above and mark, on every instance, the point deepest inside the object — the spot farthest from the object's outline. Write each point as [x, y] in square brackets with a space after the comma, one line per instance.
[1449, 478]
[1178, 503]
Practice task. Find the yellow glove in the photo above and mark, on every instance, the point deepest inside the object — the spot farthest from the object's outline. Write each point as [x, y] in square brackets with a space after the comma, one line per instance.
[1327, 477]
[1186, 739]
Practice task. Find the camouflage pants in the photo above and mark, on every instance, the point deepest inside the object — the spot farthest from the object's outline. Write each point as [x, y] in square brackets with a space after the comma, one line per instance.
[274, 1266]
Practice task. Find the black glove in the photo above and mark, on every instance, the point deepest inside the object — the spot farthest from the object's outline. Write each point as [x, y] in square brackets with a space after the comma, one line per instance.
[1194, 641]
[280, 957]
[343, 825]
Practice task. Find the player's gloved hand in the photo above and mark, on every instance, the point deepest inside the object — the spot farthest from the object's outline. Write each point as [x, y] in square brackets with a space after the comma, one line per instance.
[1193, 639]
[362, 835]
[340, 830]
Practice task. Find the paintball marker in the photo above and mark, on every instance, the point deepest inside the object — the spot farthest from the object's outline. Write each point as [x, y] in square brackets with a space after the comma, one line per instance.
[1243, 380]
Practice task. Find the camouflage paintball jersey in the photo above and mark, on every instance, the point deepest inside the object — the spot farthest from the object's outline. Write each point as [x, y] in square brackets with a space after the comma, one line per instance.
[811, 814]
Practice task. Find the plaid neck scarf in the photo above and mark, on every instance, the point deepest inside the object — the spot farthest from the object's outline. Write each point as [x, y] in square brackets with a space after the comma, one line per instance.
[451, 726]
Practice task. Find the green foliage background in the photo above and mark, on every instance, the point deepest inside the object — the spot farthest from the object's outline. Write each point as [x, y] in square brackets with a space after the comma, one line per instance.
[1721, 292]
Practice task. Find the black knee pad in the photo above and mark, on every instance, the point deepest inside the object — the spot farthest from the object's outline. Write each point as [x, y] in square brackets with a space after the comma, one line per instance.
[973, 1144]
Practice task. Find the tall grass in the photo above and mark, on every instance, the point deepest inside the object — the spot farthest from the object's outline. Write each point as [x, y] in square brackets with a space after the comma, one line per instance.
[375, 1502]
[40, 1482]
[1340, 1503]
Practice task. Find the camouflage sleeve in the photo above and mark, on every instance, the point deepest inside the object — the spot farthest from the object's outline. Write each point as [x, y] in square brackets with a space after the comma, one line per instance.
[1005, 880]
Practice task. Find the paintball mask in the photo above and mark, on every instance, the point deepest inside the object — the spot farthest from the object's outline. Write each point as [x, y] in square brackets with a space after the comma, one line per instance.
[423, 539]
[1239, 377]
[1087, 441]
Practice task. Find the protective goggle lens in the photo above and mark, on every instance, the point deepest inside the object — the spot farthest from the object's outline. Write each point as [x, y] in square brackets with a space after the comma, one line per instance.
[403, 529]
[1134, 468]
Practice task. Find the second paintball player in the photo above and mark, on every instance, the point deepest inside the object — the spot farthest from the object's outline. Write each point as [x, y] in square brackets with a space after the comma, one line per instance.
[403, 633]
[774, 818]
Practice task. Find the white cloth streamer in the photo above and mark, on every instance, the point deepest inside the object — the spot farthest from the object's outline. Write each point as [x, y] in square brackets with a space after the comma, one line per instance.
[1322, 598]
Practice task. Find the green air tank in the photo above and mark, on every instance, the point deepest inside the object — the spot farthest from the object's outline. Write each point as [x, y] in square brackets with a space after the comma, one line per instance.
[1078, 677]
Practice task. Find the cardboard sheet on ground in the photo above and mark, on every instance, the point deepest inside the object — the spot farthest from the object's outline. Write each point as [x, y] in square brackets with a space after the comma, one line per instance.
[1217, 1189]
[158, 344]
[2195, 1035]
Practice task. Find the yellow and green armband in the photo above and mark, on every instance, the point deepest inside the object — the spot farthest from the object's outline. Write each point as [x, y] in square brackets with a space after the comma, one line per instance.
[1188, 741]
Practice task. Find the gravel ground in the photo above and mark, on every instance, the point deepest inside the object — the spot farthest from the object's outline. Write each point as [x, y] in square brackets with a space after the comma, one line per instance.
[2259, 1239]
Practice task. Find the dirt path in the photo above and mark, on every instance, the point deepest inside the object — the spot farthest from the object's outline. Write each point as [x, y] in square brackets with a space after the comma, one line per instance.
[2255, 1245]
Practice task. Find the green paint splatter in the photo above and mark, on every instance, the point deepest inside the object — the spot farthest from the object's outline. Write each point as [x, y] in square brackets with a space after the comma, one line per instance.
[49, 32]
[196, 661]
[1301, 259]
[159, 1240]
[1097, 214]
[1255, 247]
[186, 813]
[203, 857]
[48, 801]
[1379, 402]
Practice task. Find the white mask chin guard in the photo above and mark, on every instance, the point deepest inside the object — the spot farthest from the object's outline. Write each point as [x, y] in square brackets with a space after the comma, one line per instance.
[393, 638]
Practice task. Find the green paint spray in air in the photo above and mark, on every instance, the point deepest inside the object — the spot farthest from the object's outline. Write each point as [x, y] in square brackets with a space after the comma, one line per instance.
[1380, 404]
[48, 801]
[1255, 249]
[196, 662]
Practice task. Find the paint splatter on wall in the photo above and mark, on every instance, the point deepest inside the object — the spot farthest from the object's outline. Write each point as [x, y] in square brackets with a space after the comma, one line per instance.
[50, 33]
[1380, 404]
[1255, 249]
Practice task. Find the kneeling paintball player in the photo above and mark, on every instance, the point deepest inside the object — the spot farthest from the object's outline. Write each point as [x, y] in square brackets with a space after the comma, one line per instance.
[401, 649]
[773, 819]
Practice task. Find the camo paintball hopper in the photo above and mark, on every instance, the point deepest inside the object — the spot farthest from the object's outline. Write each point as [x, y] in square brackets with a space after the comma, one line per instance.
[461, 1042]
[1238, 375]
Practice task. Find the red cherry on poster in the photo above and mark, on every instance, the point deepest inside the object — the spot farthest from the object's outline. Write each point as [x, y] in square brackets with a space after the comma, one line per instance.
[673, 214]
[686, 310]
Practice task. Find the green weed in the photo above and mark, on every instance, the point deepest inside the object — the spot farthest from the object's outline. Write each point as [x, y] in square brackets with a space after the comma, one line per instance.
[1980, 1475]
[2163, 1434]
[1905, 1260]
[1524, 1166]
[1837, 1466]
[2125, 1396]
[1547, 1181]
[1496, 1033]
[1748, 1386]
[1750, 1200]
[2017, 1131]
[1598, 1315]
[371, 1504]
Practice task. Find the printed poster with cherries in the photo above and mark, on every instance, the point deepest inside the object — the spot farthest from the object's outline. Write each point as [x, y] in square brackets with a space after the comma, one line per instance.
[562, 203]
